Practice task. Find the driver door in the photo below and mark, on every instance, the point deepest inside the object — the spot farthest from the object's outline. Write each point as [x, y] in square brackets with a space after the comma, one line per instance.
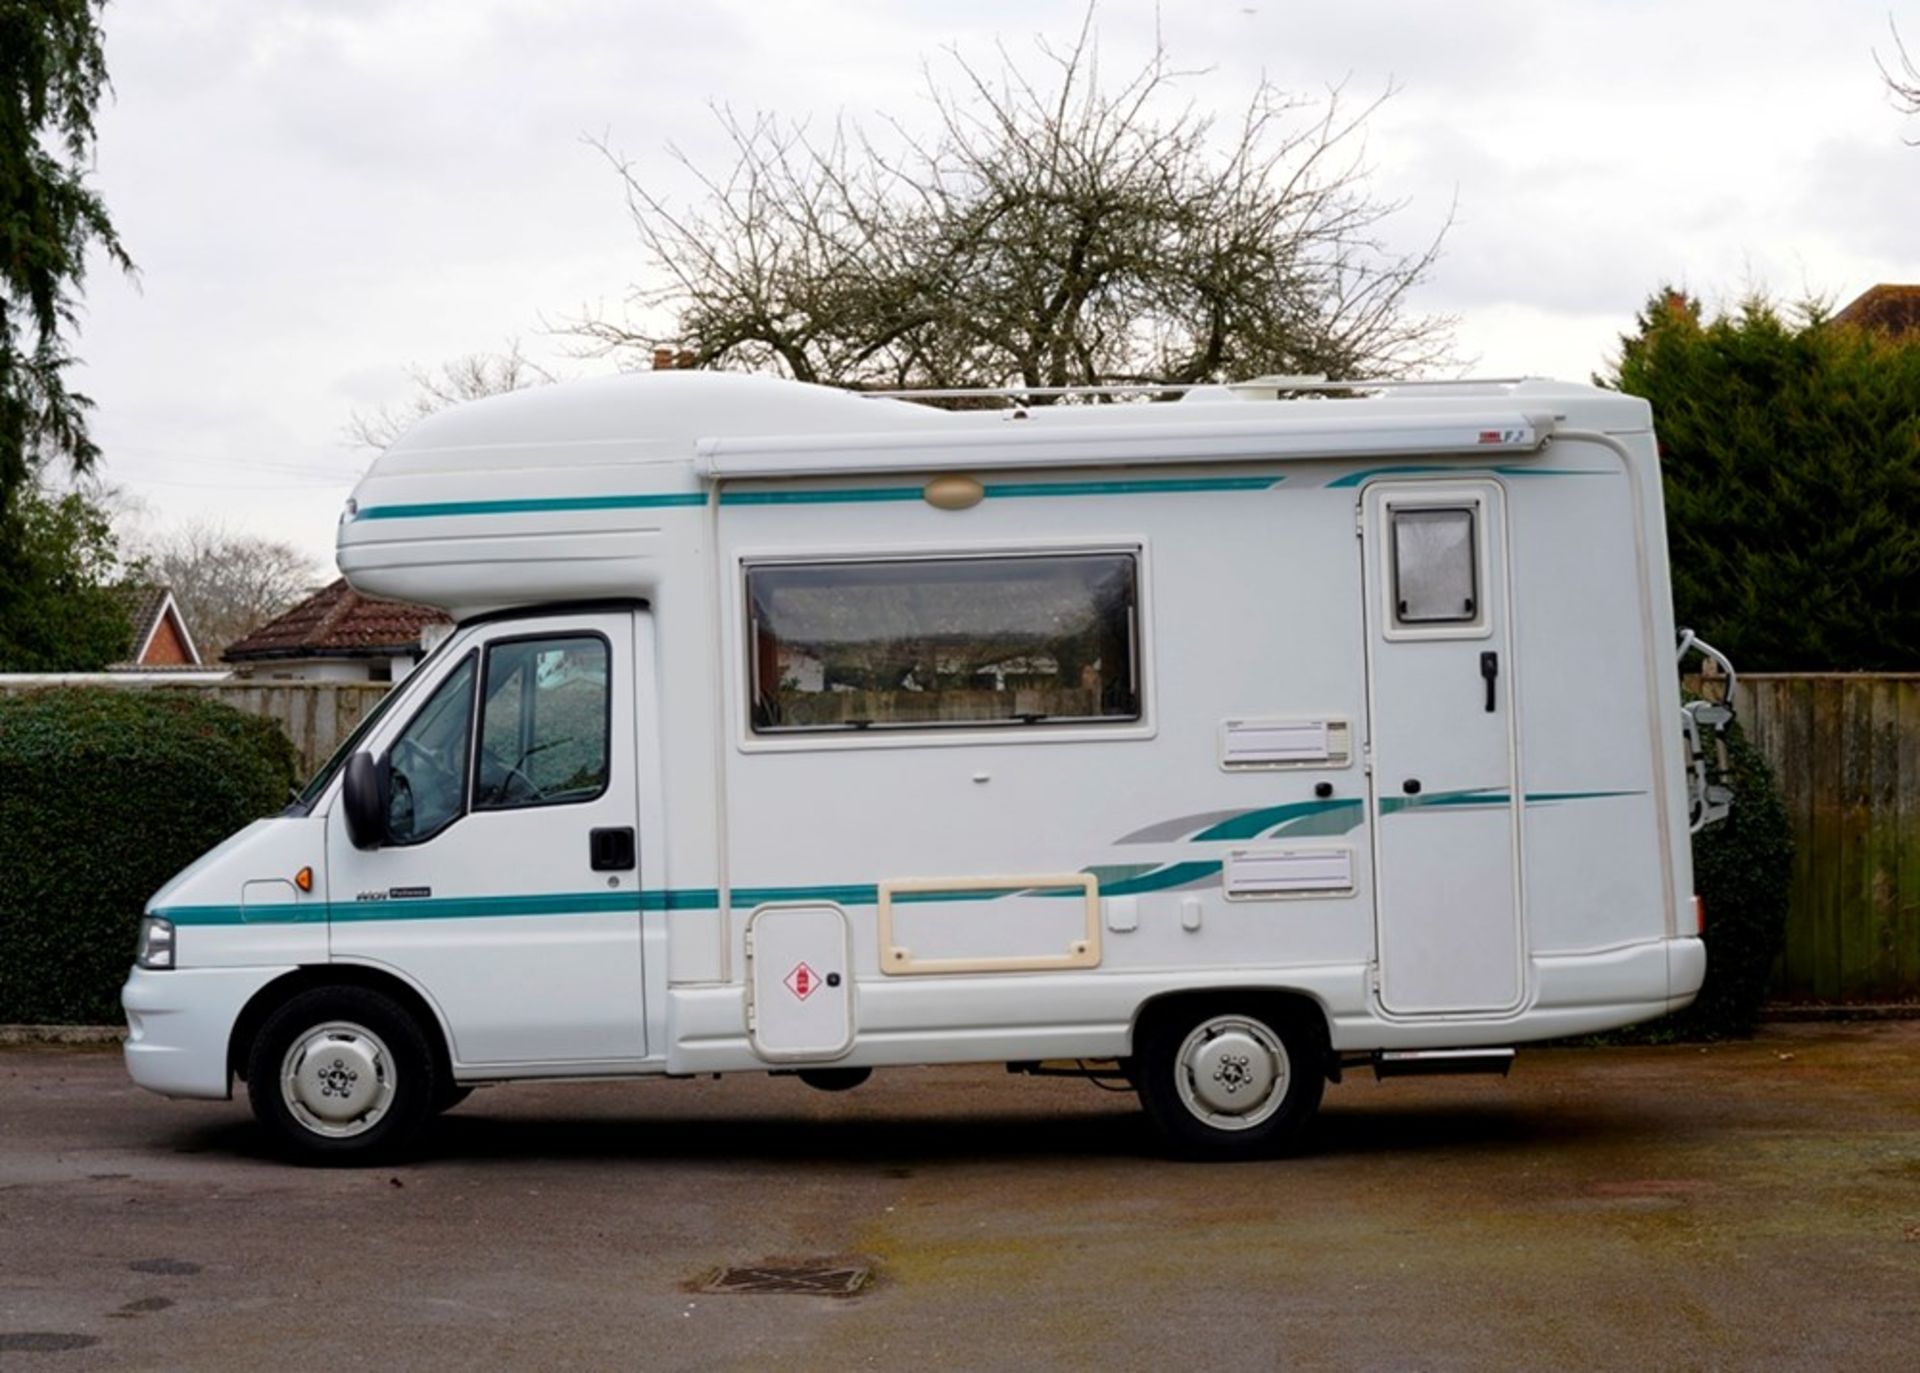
[508, 886]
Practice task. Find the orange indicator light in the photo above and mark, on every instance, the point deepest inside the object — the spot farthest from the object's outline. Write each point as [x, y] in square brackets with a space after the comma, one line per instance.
[304, 879]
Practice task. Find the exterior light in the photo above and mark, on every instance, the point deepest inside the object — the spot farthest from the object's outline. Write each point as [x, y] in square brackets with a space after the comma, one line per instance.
[155, 949]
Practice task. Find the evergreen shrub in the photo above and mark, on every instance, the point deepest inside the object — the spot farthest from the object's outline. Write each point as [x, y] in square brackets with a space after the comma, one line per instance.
[1741, 870]
[1790, 452]
[105, 794]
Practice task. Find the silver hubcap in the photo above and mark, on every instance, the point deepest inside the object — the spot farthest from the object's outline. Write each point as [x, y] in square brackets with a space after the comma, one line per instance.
[1232, 1072]
[337, 1079]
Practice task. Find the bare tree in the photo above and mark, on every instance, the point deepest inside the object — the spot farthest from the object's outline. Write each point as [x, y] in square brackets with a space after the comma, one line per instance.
[465, 378]
[1903, 80]
[1046, 232]
[227, 584]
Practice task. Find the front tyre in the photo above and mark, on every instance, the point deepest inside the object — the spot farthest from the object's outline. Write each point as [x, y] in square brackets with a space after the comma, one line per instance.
[1230, 1080]
[342, 1075]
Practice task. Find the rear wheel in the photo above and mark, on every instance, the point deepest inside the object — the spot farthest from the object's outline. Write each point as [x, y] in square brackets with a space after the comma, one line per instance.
[342, 1075]
[1230, 1080]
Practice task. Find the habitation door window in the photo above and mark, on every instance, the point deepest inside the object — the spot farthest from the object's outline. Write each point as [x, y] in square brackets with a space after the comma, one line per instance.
[543, 723]
[1435, 565]
[941, 642]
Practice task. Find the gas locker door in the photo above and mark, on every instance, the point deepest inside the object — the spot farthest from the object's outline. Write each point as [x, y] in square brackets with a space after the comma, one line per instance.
[800, 982]
[1444, 795]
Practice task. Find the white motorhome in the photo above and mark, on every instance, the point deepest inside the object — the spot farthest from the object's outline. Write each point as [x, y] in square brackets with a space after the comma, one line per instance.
[1219, 742]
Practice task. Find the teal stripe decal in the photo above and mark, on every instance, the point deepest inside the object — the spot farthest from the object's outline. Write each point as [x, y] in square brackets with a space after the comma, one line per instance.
[552, 903]
[479, 907]
[848, 497]
[1170, 485]
[843, 895]
[1250, 823]
[1007, 490]
[685, 899]
[1296, 819]
[1484, 796]
[1490, 796]
[1547, 798]
[313, 913]
[1504, 469]
[620, 903]
[1109, 875]
[1555, 472]
[1404, 470]
[1173, 875]
[532, 505]
[1302, 819]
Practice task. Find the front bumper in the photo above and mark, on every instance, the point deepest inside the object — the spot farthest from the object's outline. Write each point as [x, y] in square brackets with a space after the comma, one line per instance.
[180, 1022]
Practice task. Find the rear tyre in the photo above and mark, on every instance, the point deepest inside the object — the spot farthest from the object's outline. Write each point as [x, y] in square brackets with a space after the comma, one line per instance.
[1232, 1079]
[342, 1075]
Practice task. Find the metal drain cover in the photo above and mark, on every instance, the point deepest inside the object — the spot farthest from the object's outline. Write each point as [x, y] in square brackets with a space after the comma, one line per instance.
[810, 1277]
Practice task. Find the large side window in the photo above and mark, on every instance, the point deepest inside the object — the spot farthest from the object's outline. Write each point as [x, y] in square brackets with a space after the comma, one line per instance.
[922, 643]
[543, 724]
[427, 765]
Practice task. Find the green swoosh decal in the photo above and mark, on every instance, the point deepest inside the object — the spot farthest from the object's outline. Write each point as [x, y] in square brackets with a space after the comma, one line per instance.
[530, 505]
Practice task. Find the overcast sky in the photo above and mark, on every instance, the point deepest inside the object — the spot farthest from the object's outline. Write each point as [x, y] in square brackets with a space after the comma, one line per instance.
[320, 193]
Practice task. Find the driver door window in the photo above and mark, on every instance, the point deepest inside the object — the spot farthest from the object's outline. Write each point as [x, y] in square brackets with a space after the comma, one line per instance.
[543, 723]
[427, 766]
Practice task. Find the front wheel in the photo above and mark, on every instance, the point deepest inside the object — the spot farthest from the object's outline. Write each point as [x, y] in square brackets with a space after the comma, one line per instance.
[342, 1075]
[1230, 1080]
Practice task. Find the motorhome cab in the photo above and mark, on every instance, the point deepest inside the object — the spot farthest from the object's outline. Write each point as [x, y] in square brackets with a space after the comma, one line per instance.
[1220, 742]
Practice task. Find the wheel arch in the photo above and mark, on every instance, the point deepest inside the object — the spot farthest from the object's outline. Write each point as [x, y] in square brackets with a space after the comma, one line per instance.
[263, 1003]
[1285, 1003]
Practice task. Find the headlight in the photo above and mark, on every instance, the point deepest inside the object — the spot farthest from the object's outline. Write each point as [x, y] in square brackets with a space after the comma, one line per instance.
[156, 943]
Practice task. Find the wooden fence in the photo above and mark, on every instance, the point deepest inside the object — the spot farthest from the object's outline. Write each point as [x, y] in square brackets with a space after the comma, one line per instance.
[316, 716]
[1847, 752]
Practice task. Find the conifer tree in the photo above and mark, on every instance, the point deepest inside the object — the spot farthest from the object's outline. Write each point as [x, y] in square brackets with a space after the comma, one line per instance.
[52, 73]
[1790, 448]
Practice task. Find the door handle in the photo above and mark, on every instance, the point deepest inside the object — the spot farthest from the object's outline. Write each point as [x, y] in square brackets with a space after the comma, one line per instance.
[1490, 672]
[611, 850]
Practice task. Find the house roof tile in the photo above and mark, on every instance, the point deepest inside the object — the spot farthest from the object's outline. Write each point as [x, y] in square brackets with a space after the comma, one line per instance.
[1890, 308]
[338, 621]
[145, 605]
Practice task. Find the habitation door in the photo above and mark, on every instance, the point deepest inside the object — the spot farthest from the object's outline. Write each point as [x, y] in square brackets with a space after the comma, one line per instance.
[1443, 737]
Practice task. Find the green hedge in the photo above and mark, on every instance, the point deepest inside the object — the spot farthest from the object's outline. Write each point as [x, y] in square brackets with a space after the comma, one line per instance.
[104, 795]
[1790, 456]
[1741, 870]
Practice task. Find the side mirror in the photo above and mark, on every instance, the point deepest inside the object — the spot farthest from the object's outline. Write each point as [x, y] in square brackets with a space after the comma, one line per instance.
[360, 793]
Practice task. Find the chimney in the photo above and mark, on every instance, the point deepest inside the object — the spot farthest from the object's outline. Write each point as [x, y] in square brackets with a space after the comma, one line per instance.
[662, 359]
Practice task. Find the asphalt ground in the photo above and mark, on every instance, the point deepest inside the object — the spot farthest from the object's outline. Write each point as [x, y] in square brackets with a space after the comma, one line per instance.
[1737, 1206]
